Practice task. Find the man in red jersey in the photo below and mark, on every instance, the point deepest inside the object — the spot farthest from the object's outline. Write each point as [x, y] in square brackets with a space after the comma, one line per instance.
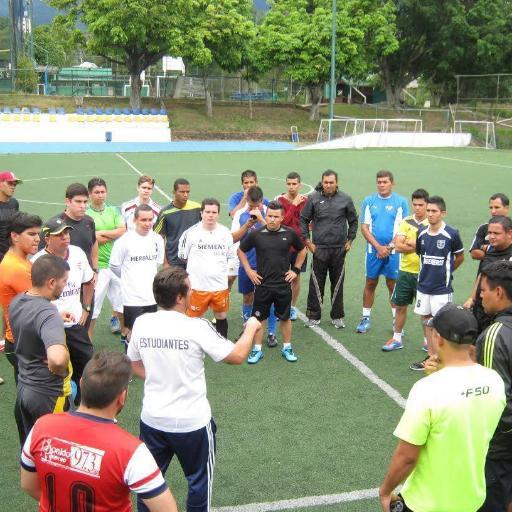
[83, 460]
[293, 202]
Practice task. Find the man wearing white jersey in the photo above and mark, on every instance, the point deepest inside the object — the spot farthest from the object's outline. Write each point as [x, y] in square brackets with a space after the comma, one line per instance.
[167, 350]
[135, 259]
[145, 186]
[207, 247]
[57, 236]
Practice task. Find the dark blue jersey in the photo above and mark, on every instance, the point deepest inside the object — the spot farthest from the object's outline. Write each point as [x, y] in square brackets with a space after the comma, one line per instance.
[437, 252]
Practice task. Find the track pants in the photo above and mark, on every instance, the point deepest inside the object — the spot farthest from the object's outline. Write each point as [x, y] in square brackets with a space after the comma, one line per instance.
[326, 261]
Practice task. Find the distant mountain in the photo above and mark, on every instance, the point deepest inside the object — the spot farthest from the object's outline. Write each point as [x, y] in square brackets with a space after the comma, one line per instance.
[43, 13]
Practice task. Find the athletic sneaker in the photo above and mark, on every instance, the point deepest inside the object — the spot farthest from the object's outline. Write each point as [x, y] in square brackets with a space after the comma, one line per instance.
[419, 366]
[338, 323]
[424, 347]
[271, 340]
[311, 323]
[2, 345]
[255, 356]
[288, 354]
[391, 345]
[293, 314]
[115, 325]
[1, 381]
[124, 339]
[364, 325]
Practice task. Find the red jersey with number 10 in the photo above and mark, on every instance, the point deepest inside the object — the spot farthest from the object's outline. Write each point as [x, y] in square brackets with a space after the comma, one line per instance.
[88, 464]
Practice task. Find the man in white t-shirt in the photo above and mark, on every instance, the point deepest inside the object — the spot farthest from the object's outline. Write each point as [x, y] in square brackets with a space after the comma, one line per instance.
[135, 259]
[145, 186]
[207, 247]
[58, 242]
[167, 350]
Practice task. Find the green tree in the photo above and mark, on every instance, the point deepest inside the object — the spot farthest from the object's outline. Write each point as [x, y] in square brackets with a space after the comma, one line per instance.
[296, 35]
[132, 33]
[26, 75]
[56, 44]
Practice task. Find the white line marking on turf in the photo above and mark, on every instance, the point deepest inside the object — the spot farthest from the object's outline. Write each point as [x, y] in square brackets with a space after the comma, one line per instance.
[168, 197]
[309, 501]
[79, 176]
[356, 363]
[39, 202]
[462, 160]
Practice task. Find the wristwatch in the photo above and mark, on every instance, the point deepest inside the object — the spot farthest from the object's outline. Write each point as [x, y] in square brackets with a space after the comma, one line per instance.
[86, 308]
[296, 270]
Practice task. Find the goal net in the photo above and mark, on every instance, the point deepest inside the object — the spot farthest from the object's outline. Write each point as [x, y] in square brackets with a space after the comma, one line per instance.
[331, 129]
[483, 134]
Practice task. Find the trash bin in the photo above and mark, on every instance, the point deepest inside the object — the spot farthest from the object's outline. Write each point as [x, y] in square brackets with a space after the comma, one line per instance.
[108, 136]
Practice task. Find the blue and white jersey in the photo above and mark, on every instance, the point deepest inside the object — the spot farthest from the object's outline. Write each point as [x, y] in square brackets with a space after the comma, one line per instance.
[437, 253]
[383, 215]
[242, 217]
[235, 198]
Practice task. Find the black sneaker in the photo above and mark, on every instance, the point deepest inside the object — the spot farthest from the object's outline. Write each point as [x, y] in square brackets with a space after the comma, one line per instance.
[271, 340]
[419, 366]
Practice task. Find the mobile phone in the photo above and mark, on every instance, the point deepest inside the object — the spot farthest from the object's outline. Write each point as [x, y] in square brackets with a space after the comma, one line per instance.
[253, 217]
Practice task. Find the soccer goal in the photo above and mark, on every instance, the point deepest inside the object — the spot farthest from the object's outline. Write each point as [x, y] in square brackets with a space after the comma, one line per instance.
[483, 134]
[331, 129]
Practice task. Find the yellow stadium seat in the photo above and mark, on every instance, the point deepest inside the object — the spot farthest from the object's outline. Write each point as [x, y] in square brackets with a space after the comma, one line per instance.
[52, 118]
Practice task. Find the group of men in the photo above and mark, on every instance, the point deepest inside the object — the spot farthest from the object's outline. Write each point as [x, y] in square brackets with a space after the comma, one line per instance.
[162, 269]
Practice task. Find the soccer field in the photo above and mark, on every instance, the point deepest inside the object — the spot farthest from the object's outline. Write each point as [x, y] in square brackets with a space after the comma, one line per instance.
[315, 435]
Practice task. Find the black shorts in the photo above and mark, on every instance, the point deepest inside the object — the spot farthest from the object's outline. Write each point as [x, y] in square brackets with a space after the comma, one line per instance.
[293, 259]
[265, 296]
[498, 479]
[131, 313]
[80, 349]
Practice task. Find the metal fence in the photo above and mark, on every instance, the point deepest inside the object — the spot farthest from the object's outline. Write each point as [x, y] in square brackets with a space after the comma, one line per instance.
[106, 82]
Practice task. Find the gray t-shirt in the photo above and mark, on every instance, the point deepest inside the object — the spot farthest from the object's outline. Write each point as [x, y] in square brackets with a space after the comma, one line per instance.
[36, 325]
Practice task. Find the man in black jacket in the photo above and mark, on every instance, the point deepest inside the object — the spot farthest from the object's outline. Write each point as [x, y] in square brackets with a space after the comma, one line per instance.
[494, 350]
[334, 220]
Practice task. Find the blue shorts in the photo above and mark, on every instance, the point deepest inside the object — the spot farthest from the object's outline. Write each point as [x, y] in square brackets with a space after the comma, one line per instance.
[387, 266]
[245, 285]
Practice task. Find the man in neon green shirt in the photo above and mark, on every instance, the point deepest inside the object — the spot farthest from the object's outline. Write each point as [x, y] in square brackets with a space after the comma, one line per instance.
[109, 227]
[449, 420]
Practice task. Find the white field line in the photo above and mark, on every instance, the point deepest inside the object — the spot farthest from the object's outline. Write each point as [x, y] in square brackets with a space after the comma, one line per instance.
[462, 160]
[309, 501]
[313, 501]
[39, 202]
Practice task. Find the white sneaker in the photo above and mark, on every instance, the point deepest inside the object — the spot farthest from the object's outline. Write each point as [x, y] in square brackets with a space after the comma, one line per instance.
[338, 323]
[311, 323]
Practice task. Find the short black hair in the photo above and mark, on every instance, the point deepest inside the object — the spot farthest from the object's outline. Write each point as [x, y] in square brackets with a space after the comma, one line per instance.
[21, 221]
[47, 267]
[438, 201]
[96, 182]
[178, 182]
[105, 377]
[385, 174]
[505, 201]
[420, 193]
[275, 205]
[209, 201]
[168, 284]
[76, 189]
[505, 222]
[499, 274]
[248, 174]
[141, 208]
[295, 176]
[330, 172]
[255, 194]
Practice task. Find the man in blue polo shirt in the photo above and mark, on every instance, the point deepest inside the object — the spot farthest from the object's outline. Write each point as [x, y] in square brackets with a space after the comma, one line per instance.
[381, 215]
[441, 252]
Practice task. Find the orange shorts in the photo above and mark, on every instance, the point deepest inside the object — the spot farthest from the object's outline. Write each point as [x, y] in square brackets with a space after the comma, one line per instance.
[201, 301]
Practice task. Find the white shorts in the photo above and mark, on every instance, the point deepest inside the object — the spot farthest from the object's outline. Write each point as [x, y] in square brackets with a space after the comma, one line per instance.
[233, 266]
[429, 305]
[109, 285]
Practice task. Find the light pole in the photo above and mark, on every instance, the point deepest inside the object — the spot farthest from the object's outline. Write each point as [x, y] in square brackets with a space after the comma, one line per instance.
[332, 99]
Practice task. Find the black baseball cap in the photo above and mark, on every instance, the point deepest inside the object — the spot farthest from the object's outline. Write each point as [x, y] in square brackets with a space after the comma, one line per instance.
[55, 227]
[456, 324]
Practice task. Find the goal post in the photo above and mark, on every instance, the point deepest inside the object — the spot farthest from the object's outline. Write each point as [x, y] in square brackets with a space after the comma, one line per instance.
[331, 129]
[483, 133]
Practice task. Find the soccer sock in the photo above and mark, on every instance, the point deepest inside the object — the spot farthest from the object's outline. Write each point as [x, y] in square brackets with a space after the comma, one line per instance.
[393, 312]
[222, 327]
[246, 311]
[397, 336]
[287, 345]
[257, 348]
[272, 321]
[367, 312]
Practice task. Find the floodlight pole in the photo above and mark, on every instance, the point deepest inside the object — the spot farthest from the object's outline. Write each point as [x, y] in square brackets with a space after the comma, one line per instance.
[332, 98]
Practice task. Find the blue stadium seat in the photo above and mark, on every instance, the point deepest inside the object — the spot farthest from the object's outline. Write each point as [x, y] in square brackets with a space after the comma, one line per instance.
[117, 112]
[6, 110]
[79, 110]
[163, 112]
[99, 111]
[145, 111]
[126, 111]
[60, 111]
[108, 111]
[154, 112]
[90, 111]
[36, 110]
[51, 110]
[136, 111]
[16, 110]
